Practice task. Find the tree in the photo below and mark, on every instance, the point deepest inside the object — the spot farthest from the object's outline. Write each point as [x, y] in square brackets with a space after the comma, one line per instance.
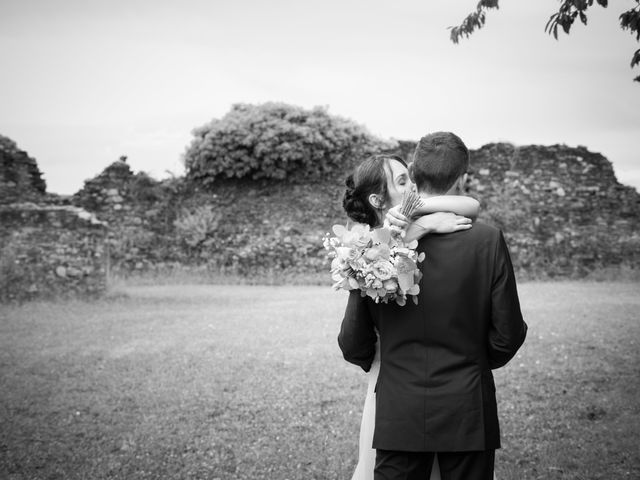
[276, 141]
[568, 12]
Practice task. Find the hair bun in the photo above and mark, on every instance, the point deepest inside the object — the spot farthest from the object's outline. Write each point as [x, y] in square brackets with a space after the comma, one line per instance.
[349, 182]
[350, 190]
[356, 209]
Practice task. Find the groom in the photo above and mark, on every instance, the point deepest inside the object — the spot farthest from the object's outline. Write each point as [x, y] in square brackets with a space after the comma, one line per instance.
[435, 391]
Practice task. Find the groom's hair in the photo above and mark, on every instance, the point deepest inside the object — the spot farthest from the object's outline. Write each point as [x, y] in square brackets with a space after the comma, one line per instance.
[439, 160]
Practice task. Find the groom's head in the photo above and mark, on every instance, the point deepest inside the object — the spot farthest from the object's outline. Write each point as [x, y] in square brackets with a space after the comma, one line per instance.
[440, 163]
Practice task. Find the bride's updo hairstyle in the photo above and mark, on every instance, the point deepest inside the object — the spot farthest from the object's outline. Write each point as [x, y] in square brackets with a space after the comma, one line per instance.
[368, 178]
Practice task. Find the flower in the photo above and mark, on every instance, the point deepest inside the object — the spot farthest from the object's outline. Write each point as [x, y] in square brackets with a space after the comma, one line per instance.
[383, 269]
[374, 261]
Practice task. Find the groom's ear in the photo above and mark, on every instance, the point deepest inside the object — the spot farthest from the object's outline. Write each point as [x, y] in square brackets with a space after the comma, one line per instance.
[460, 186]
[411, 174]
[463, 181]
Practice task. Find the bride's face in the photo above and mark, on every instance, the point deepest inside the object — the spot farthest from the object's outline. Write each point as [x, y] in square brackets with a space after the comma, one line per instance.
[398, 182]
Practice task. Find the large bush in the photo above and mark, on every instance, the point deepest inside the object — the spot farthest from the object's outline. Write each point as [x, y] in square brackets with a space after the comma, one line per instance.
[276, 141]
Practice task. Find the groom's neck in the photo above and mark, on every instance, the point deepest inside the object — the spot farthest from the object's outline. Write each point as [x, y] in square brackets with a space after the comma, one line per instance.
[428, 193]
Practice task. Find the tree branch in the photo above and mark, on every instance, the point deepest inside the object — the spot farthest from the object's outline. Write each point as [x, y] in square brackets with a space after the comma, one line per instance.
[475, 20]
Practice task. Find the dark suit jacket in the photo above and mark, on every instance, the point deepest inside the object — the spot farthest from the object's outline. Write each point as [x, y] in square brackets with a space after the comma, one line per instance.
[435, 390]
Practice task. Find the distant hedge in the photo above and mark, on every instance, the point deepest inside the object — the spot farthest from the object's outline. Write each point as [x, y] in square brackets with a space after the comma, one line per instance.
[276, 141]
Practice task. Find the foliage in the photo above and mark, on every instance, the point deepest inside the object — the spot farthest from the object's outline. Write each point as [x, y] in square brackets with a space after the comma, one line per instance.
[475, 20]
[568, 12]
[276, 141]
[145, 189]
[196, 227]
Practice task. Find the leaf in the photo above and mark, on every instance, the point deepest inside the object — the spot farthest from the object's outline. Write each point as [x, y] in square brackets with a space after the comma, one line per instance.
[382, 235]
[488, 4]
[551, 23]
[454, 36]
[339, 230]
[412, 244]
[583, 18]
[405, 281]
[636, 58]
[414, 290]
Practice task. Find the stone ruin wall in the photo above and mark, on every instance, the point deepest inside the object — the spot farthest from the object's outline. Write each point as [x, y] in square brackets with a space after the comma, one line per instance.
[20, 177]
[138, 216]
[562, 209]
[49, 251]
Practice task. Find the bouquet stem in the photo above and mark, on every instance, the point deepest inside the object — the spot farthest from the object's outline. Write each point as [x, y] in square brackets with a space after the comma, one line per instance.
[410, 203]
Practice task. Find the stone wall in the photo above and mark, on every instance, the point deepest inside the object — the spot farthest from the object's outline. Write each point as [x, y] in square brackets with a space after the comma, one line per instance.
[140, 212]
[20, 177]
[49, 251]
[562, 209]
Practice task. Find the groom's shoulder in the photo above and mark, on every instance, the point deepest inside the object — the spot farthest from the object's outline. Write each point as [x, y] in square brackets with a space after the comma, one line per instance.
[483, 234]
[484, 230]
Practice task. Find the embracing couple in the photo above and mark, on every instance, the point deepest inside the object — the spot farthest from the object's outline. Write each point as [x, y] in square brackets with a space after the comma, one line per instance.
[430, 410]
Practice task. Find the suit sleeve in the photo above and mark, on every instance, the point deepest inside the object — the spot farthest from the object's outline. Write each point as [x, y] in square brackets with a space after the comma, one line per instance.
[508, 329]
[357, 338]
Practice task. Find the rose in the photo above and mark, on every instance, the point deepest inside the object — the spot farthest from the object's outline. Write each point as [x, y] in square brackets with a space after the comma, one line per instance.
[391, 286]
[383, 269]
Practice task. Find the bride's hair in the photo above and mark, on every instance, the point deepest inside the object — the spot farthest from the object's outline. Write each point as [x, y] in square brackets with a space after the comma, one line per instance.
[368, 178]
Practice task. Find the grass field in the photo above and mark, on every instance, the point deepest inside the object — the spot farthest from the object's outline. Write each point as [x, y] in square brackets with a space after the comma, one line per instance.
[220, 382]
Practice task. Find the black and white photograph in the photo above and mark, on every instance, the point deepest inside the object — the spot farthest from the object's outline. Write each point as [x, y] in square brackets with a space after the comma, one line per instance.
[305, 240]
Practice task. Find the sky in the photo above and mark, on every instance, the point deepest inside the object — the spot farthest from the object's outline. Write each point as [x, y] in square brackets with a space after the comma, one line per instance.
[83, 82]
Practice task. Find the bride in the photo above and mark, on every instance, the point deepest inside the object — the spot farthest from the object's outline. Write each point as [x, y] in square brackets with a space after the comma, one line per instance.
[377, 184]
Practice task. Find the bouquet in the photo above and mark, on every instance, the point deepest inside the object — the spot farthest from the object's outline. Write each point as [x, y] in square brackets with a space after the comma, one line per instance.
[376, 261]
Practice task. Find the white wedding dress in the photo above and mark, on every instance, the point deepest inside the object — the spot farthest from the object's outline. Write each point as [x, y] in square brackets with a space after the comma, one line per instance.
[366, 454]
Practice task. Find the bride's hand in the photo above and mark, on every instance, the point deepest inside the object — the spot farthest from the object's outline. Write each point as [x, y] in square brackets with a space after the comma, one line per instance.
[395, 219]
[439, 222]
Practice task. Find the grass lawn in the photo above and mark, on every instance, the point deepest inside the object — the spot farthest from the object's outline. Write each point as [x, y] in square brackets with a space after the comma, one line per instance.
[190, 382]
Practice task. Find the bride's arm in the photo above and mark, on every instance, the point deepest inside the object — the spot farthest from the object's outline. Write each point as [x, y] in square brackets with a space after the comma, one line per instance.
[458, 204]
[438, 222]
[440, 214]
